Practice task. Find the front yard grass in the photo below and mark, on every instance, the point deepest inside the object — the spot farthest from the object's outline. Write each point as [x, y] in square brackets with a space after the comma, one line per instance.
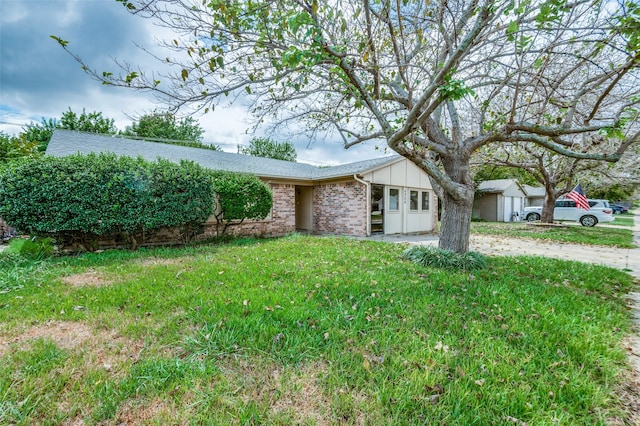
[624, 219]
[597, 235]
[309, 330]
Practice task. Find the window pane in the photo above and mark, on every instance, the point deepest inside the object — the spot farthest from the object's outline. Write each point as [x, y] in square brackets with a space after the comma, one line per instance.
[425, 200]
[394, 199]
[413, 200]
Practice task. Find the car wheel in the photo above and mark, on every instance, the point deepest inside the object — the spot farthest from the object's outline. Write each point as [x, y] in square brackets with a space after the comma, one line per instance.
[588, 220]
[532, 217]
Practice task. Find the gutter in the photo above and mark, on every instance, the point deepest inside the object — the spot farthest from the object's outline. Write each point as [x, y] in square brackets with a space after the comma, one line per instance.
[368, 186]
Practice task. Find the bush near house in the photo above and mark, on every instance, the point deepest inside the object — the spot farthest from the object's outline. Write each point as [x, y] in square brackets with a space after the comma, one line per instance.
[239, 197]
[79, 200]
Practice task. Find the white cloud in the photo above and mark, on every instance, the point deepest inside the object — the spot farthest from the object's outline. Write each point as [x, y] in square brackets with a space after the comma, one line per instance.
[39, 80]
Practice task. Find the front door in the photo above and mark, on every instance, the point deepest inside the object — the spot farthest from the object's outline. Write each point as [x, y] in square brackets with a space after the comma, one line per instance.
[304, 211]
[394, 210]
[377, 208]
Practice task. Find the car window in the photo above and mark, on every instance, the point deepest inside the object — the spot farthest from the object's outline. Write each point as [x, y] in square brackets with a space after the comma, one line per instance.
[592, 203]
[565, 203]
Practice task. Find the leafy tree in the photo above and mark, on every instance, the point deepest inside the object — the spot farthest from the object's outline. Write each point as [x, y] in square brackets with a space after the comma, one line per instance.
[614, 191]
[164, 127]
[436, 80]
[487, 171]
[161, 125]
[92, 122]
[40, 133]
[268, 148]
[13, 147]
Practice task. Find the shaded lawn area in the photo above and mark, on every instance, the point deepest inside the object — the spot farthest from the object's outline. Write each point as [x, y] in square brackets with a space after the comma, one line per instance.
[309, 330]
[597, 235]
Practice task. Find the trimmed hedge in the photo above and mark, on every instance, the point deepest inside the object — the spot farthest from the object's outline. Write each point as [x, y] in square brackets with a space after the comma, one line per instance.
[239, 197]
[82, 198]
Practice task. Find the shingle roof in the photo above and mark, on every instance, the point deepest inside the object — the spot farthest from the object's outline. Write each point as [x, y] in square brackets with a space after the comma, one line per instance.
[67, 142]
[534, 191]
[496, 185]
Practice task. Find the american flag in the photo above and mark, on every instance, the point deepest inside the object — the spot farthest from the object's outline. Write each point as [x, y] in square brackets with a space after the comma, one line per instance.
[577, 195]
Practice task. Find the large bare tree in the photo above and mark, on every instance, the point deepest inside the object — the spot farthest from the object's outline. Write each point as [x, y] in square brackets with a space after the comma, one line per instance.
[434, 79]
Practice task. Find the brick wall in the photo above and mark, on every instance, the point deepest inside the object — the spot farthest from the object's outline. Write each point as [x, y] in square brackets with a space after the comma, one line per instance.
[282, 220]
[340, 208]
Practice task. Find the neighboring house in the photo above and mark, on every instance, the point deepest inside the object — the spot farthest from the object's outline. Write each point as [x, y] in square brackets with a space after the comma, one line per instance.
[499, 200]
[390, 194]
[535, 195]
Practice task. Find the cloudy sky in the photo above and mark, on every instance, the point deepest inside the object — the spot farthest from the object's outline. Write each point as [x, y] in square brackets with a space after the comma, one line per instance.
[38, 79]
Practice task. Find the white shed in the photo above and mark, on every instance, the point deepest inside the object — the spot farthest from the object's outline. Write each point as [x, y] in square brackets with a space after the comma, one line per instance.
[499, 200]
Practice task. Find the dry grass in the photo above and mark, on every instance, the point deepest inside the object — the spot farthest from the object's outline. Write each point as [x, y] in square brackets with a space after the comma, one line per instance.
[100, 348]
[90, 278]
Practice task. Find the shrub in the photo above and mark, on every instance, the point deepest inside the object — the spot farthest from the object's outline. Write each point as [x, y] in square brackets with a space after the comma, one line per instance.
[83, 198]
[239, 197]
[444, 259]
[32, 248]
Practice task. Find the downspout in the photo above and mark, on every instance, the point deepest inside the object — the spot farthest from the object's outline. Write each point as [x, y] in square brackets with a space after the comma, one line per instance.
[368, 186]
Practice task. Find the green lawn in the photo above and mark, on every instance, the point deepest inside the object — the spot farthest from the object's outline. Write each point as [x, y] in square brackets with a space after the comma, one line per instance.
[571, 233]
[625, 219]
[308, 330]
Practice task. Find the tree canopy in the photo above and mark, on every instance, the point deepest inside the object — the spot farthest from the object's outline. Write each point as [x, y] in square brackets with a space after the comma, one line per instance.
[92, 122]
[268, 148]
[13, 147]
[165, 127]
[436, 80]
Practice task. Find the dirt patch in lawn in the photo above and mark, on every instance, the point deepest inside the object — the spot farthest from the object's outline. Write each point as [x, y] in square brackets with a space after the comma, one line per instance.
[288, 390]
[101, 348]
[90, 278]
[93, 278]
[64, 334]
[301, 395]
[134, 412]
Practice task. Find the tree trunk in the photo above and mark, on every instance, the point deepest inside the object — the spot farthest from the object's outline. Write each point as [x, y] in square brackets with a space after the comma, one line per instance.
[456, 223]
[456, 191]
[548, 206]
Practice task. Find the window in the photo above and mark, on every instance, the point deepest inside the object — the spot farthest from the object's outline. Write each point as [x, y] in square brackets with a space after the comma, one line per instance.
[413, 200]
[565, 203]
[425, 200]
[394, 199]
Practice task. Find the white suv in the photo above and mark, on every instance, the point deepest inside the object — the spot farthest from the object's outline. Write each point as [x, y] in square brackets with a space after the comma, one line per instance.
[566, 209]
